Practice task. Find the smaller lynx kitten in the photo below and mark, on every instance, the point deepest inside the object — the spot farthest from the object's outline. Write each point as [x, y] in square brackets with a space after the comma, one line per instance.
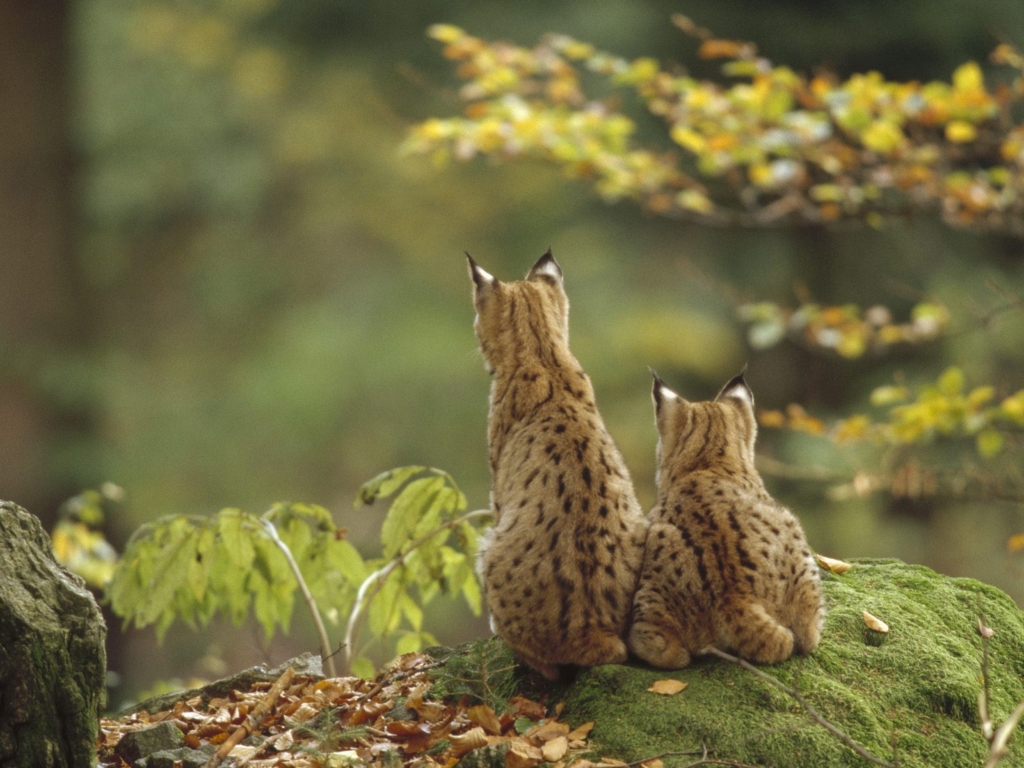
[725, 564]
[560, 564]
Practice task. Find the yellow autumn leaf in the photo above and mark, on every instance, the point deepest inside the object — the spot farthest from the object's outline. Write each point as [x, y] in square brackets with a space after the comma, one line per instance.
[836, 566]
[760, 174]
[771, 418]
[667, 687]
[445, 33]
[688, 138]
[967, 77]
[960, 132]
[875, 624]
[692, 200]
[882, 136]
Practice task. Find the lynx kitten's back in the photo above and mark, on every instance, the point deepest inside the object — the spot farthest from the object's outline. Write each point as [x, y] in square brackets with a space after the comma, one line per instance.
[725, 565]
[559, 566]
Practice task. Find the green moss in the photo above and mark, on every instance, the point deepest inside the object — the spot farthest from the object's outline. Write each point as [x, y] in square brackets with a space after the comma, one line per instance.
[919, 688]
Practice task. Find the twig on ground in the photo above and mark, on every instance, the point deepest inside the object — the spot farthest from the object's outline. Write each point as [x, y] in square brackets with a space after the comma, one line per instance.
[254, 720]
[705, 759]
[798, 697]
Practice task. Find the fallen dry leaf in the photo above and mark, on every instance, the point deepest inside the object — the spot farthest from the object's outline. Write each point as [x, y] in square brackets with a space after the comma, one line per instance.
[668, 687]
[522, 755]
[472, 739]
[485, 717]
[582, 732]
[555, 749]
[985, 631]
[875, 623]
[655, 763]
[544, 732]
[446, 730]
[836, 566]
[521, 707]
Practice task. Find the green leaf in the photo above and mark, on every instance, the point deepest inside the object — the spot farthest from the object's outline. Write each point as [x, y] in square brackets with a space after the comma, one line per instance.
[363, 667]
[384, 610]
[416, 500]
[409, 642]
[170, 571]
[237, 541]
[411, 610]
[346, 559]
[385, 484]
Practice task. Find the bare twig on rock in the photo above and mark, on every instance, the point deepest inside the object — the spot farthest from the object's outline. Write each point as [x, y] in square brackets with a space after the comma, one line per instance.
[997, 737]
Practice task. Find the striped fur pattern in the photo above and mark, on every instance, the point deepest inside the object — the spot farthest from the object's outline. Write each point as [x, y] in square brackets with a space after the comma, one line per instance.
[560, 565]
[725, 565]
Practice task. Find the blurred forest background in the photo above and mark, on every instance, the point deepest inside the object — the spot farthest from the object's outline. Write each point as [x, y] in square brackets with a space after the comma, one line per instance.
[223, 284]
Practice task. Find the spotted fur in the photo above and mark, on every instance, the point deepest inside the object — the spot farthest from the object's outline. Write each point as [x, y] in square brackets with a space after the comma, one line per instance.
[725, 565]
[560, 565]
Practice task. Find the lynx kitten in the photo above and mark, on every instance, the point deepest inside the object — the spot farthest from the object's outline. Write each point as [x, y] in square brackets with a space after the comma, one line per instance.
[560, 564]
[725, 564]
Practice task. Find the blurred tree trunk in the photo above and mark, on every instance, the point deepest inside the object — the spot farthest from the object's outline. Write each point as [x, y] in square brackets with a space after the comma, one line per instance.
[42, 318]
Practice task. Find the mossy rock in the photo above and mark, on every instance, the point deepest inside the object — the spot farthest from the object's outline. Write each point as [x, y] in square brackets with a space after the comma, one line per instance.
[917, 690]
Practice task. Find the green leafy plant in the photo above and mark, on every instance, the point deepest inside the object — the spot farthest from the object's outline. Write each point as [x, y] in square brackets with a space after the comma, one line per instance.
[191, 568]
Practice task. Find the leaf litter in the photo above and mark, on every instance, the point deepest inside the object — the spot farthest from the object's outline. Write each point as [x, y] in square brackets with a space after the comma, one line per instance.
[311, 722]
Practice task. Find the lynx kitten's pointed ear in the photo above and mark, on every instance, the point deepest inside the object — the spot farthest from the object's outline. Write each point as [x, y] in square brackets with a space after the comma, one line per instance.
[482, 279]
[546, 266]
[737, 388]
[660, 392]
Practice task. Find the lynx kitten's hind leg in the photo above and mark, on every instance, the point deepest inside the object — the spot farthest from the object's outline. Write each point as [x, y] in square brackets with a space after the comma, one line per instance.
[604, 649]
[550, 671]
[748, 629]
[656, 646]
[808, 616]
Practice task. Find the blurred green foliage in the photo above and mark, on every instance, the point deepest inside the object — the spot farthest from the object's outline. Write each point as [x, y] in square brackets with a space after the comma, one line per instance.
[278, 304]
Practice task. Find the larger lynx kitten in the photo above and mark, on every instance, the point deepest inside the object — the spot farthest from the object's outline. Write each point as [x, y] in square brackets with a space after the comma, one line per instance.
[725, 564]
[560, 564]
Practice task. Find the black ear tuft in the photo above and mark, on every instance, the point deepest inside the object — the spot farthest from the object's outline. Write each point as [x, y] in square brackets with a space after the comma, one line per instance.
[659, 389]
[737, 387]
[481, 277]
[546, 266]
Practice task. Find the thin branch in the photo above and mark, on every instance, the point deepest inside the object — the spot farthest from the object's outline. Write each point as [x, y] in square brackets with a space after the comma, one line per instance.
[325, 644]
[373, 583]
[798, 697]
[996, 737]
[705, 759]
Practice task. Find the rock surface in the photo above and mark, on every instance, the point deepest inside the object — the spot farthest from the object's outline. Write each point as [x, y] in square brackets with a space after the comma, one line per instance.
[916, 686]
[918, 689]
[307, 665]
[52, 656]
